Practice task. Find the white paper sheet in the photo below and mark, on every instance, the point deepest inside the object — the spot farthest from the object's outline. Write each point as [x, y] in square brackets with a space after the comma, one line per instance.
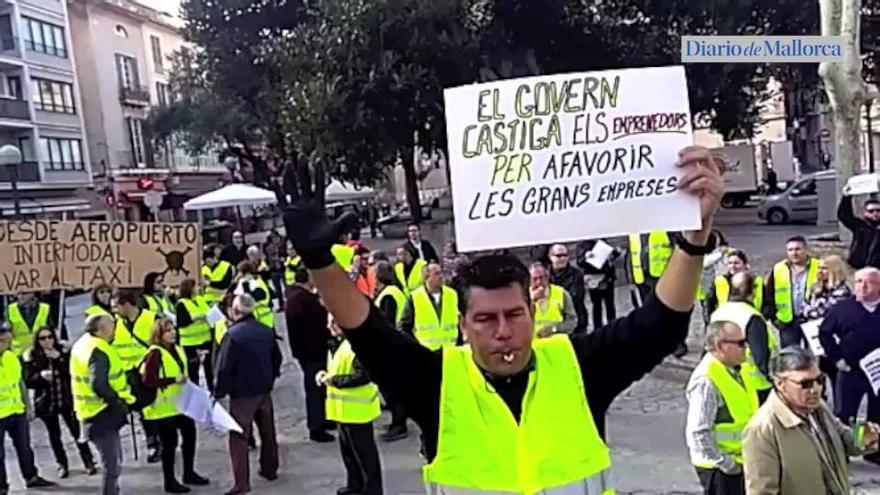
[215, 315]
[862, 184]
[194, 402]
[222, 421]
[599, 254]
[870, 364]
[811, 334]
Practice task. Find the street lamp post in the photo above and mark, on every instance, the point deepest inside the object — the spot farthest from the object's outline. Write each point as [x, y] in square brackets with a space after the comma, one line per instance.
[10, 156]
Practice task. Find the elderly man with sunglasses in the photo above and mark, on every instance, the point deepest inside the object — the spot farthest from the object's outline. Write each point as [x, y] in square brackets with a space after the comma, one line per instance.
[794, 445]
[721, 401]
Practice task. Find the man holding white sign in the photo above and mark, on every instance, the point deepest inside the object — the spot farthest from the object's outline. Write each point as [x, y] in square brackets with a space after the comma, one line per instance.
[865, 248]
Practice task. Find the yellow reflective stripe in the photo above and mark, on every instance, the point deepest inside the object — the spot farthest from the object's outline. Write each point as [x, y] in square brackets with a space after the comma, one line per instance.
[728, 436]
[353, 398]
[597, 484]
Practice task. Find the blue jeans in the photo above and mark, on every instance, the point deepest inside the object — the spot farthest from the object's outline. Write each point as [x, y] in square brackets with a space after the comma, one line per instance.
[17, 428]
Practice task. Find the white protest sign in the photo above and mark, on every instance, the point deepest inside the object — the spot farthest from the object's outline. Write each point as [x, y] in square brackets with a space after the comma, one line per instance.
[811, 333]
[566, 157]
[870, 364]
[862, 184]
[599, 254]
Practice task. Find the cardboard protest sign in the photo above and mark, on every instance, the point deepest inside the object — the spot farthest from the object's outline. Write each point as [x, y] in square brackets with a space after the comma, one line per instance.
[56, 254]
[567, 157]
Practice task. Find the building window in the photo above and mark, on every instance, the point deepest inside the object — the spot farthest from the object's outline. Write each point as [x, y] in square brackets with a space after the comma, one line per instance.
[43, 37]
[136, 138]
[156, 47]
[53, 96]
[126, 71]
[62, 154]
[13, 86]
[162, 94]
[27, 149]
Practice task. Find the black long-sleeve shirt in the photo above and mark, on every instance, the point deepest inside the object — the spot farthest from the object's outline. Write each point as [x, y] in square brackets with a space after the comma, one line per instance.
[865, 248]
[756, 336]
[611, 359]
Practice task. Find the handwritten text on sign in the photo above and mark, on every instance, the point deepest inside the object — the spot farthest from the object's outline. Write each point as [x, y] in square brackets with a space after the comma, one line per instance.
[567, 157]
[54, 254]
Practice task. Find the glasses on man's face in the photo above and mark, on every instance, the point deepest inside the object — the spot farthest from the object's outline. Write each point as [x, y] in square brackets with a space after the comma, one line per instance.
[741, 343]
[809, 383]
[873, 211]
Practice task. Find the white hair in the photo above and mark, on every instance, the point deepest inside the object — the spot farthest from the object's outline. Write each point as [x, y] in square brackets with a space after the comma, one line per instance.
[868, 272]
[244, 304]
[253, 250]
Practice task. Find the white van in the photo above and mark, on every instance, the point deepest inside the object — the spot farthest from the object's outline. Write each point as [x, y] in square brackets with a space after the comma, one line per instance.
[798, 203]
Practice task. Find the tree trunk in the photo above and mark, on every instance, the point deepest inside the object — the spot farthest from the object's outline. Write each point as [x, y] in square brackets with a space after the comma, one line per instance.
[412, 184]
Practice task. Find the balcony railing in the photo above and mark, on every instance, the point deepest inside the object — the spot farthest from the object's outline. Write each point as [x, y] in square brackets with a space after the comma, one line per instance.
[14, 109]
[135, 95]
[26, 171]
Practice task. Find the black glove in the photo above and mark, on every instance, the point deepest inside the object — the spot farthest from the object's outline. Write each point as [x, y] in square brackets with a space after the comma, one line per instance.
[313, 234]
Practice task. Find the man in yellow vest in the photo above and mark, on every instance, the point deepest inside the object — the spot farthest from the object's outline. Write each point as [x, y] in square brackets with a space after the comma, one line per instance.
[431, 312]
[14, 417]
[540, 434]
[291, 263]
[391, 301]
[250, 282]
[408, 269]
[648, 256]
[217, 275]
[721, 401]
[130, 341]
[101, 395]
[553, 307]
[26, 316]
[353, 403]
[761, 337]
[787, 290]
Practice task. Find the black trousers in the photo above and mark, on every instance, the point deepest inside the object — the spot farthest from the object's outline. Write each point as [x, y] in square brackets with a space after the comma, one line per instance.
[193, 362]
[53, 428]
[600, 298]
[714, 482]
[168, 429]
[361, 458]
[849, 390]
[315, 395]
[16, 426]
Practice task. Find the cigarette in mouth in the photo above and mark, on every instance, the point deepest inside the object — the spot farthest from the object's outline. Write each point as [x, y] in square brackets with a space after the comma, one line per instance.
[508, 358]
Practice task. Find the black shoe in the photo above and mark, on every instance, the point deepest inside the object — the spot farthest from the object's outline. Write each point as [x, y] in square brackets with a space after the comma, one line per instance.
[195, 479]
[330, 425]
[91, 468]
[176, 488]
[680, 351]
[153, 455]
[394, 434]
[63, 472]
[321, 437]
[267, 477]
[37, 482]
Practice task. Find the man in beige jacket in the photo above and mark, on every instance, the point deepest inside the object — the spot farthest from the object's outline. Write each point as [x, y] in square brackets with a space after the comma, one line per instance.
[794, 445]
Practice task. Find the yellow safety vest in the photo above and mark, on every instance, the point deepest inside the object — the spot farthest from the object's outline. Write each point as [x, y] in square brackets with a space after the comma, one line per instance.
[555, 448]
[215, 274]
[197, 332]
[782, 296]
[129, 349]
[415, 276]
[431, 330]
[263, 309]
[165, 404]
[290, 265]
[552, 313]
[22, 334]
[740, 313]
[86, 403]
[94, 309]
[160, 305]
[395, 293]
[722, 291]
[353, 405]
[741, 401]
[659, 252]
[344, 255]
[220, 329]
[11, 401]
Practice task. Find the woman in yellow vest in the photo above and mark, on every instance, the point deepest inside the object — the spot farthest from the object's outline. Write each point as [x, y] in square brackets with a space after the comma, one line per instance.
[195, 332]
[408, 269]
[102, 295]
[353, 402]
[290, 264]
[164, 369]
[155, 296]
[737, 262]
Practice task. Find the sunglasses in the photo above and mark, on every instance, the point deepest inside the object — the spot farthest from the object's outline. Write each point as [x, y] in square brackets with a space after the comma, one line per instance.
[873, 210]
[739, 343]
[809, 383]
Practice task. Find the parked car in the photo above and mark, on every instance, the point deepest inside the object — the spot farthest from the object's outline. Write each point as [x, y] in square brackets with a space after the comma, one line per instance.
[798, 203]
[393, 226]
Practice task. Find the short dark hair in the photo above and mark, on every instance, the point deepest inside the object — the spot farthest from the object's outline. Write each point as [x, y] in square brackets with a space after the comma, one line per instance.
[797, 238]
[409, 248]
[127, 296]
[384, 273]
[491, 272]
[414, 224]
[187, 288]
[150, 281]
[872, 201]
[210, 251]
[355, 235]
[744, 292]
[792, 358]
[300, 275]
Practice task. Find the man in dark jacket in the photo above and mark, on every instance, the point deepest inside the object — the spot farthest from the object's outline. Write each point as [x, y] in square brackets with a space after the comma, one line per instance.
[308, 335]
[570, 278]
[248, 363]
[236, 252]
[865, 248]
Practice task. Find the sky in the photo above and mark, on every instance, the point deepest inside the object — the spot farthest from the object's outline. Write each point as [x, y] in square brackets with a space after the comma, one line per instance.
[170, 6]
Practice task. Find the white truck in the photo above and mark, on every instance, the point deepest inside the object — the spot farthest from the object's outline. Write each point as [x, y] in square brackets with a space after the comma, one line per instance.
[740, 178]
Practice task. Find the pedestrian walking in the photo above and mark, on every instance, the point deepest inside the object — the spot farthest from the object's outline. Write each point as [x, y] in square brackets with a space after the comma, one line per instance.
[26, 316]
[430, 314]
[849, 333]
[308, 335]
[248, 363]
[155, 296]
[217, 274]
[786, 290]
[102, 301]
[194, 331]
[600, 282]
[570, 278]
[721, 401]
[47, 373]
[794, 445]
[864, 250]
[423, 249]
[164, 370]
[553, 307]
[482, 430]
[353, 402]
[101, 395]
[761, 343]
